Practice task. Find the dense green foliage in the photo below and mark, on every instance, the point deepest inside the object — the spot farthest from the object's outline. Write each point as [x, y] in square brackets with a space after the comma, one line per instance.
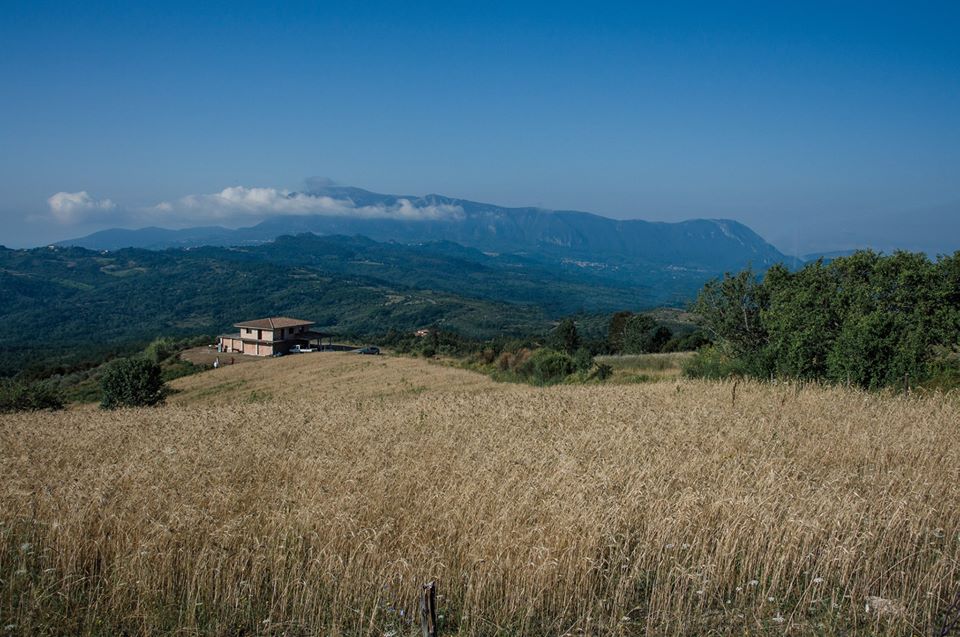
[547, 366]
[867, 319]
[629, 333]
[18, 395]
[131, 382]
[92, 306]
[97, 305]
[565, 337]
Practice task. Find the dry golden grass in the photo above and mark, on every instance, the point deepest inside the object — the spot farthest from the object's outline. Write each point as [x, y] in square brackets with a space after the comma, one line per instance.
[659, 508]
[324, 376]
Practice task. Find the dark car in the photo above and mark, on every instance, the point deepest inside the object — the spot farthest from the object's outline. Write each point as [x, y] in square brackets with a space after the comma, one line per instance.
[369, 349]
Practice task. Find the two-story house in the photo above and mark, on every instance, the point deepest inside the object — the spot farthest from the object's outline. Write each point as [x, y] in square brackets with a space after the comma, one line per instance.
[269, 336]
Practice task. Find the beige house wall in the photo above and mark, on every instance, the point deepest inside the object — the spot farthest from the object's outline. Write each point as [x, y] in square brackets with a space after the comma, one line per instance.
[251, 332]
[231, 345]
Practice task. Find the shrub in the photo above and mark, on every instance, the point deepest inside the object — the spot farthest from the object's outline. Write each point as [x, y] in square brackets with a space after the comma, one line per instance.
[603, 371]
[28, 396]
[582, 360]
[160, 349]
[712, 362]
[546, 366]
[131, 382]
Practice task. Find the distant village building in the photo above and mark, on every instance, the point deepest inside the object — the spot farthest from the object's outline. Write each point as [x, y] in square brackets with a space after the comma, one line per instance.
[422, 333]
[270, 336]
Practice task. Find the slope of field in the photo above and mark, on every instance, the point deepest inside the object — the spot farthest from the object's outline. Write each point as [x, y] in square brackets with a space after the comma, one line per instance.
[322, 377]
[322, 504]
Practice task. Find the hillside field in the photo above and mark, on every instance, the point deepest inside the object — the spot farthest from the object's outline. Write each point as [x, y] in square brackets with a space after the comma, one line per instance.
[313, 495]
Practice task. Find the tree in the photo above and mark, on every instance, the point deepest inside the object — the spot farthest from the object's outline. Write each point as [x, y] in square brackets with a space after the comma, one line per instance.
[636, 330]
[131, 382]
[731, 311]
[565, 337]
[18, 395]
[868, 319]
[655, 339]
[616, 331]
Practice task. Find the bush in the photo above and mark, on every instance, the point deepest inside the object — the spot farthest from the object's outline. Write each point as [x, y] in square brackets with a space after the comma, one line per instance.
[131, 382]
[28, 396]
[603, 371]
[160, 349]
[712, 362]
[547, 366]
[582, 360]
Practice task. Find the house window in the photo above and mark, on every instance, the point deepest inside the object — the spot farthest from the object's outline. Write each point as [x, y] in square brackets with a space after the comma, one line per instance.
[259, 335]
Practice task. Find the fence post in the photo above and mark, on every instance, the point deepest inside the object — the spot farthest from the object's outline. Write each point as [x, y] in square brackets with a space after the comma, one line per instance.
[428, 609]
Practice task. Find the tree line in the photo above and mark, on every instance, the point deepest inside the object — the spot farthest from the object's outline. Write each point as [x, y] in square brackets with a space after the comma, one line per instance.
[868, 320]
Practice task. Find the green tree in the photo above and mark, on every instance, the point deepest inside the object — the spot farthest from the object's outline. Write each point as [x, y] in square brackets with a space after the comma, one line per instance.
[731, 311]
[636, 333]
[18, 395]
[801, 319]
[131, 382]
[867, 319]
[657, 338]
[616, 331]
[565, 337]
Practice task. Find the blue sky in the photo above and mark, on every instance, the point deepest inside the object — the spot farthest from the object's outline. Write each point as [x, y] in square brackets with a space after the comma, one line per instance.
[820, 125]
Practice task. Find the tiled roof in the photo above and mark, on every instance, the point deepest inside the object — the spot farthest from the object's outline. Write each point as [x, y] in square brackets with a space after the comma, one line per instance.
[275, 322]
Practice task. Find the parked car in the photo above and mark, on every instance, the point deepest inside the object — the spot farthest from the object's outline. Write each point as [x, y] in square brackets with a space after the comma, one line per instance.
[296, 349]
[369, 349]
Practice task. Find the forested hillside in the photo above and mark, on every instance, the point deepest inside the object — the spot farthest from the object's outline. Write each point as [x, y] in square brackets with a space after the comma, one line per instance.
[66, 305]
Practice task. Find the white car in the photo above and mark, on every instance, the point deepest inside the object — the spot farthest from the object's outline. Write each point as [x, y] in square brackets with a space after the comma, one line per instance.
[296, 349]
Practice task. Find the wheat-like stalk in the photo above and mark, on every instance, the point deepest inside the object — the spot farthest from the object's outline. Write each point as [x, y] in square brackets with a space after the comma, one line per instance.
[321, 507]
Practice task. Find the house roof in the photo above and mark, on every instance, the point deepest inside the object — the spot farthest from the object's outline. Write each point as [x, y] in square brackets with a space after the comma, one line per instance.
[275, 322]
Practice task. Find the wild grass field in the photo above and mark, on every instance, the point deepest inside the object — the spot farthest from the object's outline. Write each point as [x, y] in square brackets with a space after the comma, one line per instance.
[638, 368]
[314, 495]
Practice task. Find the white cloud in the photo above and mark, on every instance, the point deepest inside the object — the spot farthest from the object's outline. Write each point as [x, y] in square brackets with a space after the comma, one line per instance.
[241, 203]
[237, 205]
[70, 207]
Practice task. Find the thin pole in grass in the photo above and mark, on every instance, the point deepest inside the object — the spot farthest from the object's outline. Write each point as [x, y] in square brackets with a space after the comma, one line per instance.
[428, 609]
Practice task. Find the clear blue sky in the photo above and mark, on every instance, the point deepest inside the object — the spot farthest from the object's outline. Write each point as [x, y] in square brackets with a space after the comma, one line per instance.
[819, 125]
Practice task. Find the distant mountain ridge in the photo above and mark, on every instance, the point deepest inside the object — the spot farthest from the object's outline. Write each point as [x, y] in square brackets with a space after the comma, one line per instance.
[703, 245]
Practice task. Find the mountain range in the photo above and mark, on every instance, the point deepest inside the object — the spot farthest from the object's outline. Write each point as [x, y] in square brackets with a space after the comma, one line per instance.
[634, 248]
[395, 263]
